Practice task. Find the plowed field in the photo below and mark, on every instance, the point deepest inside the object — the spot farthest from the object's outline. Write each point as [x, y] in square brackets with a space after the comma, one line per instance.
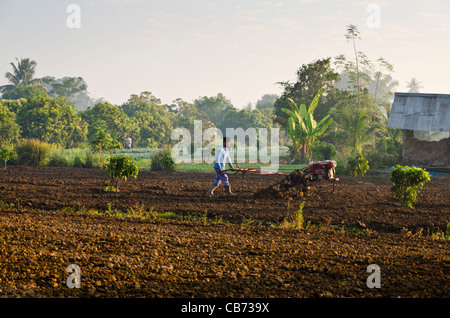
[238, 255]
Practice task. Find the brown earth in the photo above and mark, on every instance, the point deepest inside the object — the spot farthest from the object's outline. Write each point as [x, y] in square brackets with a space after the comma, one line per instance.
[244, 257]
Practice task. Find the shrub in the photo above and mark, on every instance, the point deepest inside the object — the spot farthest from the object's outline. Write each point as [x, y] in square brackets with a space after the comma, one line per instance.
[32, 152]
[93, 160]
[78, 162]
[121, 168]
[356, 164]
[7, 154]
[58, 159]
[406, 183]
[162, 161]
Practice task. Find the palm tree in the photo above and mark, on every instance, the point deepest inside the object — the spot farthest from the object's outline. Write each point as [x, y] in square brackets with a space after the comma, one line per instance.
[353, 127]
[22, 75]
[414, 86]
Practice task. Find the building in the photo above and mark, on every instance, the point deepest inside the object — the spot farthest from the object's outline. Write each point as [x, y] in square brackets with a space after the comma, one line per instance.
[425, 120]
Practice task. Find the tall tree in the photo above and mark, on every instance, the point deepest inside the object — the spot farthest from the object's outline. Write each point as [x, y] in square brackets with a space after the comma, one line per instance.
[266, 101]
[186, 114]
[155, 122]
[22, 75]
[311, 78]
[384, 68]
[52, 120]
[213, 106]
[118, 124]
[26, 92]
[382, 74]
[353, 34]
[66, 86]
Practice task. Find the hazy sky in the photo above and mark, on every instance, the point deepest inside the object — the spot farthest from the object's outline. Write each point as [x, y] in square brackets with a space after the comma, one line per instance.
[191, 48]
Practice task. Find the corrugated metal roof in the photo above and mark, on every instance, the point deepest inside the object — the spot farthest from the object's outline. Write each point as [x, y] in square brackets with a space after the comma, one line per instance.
[418, 111]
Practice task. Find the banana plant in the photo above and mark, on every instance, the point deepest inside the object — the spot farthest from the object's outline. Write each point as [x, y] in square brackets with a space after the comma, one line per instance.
[302, 128]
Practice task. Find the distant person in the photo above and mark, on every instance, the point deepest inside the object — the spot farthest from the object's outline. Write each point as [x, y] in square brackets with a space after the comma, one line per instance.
[128, 143]
[222, 158]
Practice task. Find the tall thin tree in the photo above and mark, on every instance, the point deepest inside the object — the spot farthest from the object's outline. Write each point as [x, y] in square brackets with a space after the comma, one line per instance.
[353, 34]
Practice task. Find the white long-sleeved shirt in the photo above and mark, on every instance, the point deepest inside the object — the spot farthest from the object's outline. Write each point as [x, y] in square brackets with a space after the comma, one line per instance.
[222, 158]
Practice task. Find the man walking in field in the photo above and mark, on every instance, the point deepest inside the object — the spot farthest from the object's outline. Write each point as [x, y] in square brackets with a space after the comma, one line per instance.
[222, 158]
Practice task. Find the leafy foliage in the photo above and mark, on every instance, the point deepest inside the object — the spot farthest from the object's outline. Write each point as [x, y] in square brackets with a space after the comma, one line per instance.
[22, 75]
[115, 121]
[386, 153]
[406, 183]
[103, 141]
[213, 106]
[155, 123]
[67, 86]
[9, 129]
[32, 152]
[244, 118]
[353, 128]
[6, 154]
[121, 168]
[302, 127]
[311, 78]
[162, 161]
[357, 164]
[52, 120]
[58, 158]
[26, 92]
[324, 151]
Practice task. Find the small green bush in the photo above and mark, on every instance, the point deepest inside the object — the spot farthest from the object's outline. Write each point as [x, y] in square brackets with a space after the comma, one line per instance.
[32, 152]
[162, 161]
[356, 164]
[406, 183]
[121, 168]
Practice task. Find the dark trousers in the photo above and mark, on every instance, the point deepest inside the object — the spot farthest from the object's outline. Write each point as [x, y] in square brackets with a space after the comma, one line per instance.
[221, 177]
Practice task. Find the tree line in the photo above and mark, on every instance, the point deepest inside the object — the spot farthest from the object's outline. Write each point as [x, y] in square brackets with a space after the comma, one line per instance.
[352, 95]
[45, 109]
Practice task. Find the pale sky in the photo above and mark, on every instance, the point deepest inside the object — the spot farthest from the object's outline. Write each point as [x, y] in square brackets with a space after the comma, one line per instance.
[241, 48]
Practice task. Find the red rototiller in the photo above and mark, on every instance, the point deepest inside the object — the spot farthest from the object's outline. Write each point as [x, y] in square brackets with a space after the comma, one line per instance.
[301, 180]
